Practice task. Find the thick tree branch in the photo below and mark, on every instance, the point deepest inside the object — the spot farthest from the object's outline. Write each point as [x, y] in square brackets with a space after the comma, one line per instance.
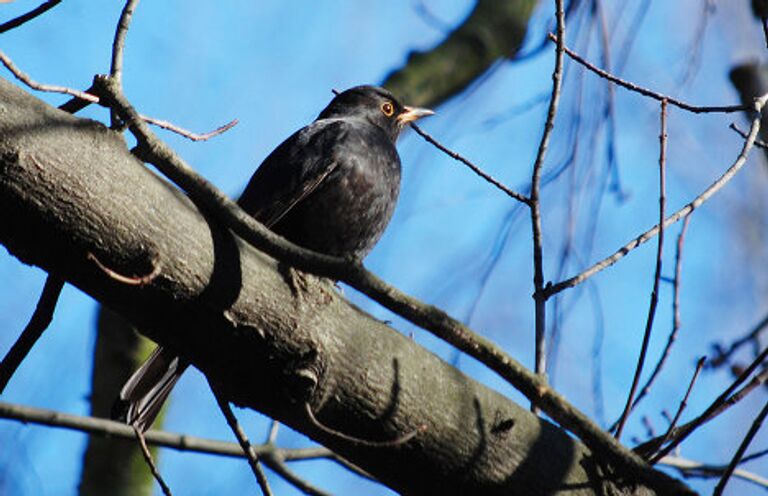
[493, 31]
[426, 316]
[273, 339]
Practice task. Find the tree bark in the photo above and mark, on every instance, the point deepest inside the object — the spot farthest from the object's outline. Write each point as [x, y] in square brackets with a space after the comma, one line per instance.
[273, 339]
[494, 30]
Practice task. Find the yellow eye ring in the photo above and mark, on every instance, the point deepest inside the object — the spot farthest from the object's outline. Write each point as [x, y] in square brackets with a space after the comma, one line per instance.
[387, 109]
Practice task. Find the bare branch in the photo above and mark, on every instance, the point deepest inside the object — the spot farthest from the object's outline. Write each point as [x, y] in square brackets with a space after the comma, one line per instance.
[691, 468]
[687, 209]
[477, 170]
[741, 450]
[676, 281]
[683, 404]
[189, 134]
[540, 299]
[38, 323]
[283, 471]
[273, 456]
[150, 463]
[50, 88]
[18, 21]
[656, 276]
[750, 337]
[754, 456]
[76, 104]
[83, 98]
[245, 444]
[273, 430]
[426, 316]
[179, 442]
[118, 45]
[724, 401]
[650, 93]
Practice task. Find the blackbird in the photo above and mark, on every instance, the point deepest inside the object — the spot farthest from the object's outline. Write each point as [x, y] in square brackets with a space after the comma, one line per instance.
[331, 187]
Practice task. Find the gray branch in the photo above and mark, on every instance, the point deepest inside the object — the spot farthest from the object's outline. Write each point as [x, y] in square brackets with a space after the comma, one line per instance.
[271, 338]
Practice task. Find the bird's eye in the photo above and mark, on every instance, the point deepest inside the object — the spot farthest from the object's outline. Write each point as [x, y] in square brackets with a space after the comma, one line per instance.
[387, 109]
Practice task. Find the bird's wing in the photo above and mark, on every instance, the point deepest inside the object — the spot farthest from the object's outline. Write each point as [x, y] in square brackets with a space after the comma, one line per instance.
[293, 170]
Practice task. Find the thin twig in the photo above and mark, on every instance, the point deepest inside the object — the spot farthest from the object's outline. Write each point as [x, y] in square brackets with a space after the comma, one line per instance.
[754, 456]
[724, 401]
[474, 168]
[741, 449]
[180, 442]
[758, 142]
[683, 404]
[50, 88]
[273, 429]
[656, 276]
[150, 463]
[37, 324]
[84, 98]
[356, 440]
[118, 45]
[724, 355]
[675, 314]
[18, 21]
[283, 471]
[648, 425]
[75, 105]
[650, 93]
[272, 456]
[741, 159]
[540, 299]
[242, 439]
[189, 134]
[142, 280]
[691, 468]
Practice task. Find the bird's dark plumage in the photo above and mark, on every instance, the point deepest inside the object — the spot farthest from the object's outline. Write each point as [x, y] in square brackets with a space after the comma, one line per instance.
[331, 187]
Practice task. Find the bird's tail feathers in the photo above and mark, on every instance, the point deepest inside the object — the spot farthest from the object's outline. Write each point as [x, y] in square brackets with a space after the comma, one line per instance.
[145, 392]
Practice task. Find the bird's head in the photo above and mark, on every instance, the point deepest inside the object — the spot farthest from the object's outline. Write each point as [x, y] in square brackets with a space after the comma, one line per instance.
[375, 105]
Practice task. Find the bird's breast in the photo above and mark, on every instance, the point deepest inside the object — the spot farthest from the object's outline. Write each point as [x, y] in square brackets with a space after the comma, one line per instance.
[347, 214]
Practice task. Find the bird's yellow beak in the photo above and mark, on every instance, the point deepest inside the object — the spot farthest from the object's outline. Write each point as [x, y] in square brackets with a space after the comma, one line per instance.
[411, 114]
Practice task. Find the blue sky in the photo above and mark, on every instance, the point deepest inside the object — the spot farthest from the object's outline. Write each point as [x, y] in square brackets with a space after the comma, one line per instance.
[272, 65]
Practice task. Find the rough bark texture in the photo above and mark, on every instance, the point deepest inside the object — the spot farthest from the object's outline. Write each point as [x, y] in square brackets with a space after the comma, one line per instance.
[494, 30]
[274, 339]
